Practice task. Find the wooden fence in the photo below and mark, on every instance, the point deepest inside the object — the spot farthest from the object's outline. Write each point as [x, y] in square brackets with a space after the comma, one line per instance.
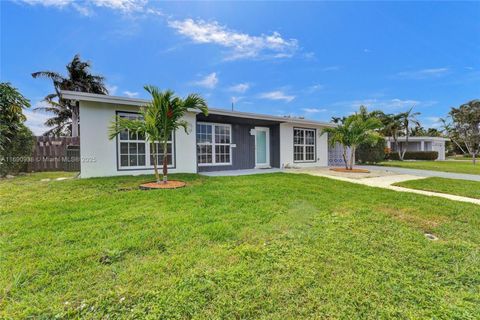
[55, 154]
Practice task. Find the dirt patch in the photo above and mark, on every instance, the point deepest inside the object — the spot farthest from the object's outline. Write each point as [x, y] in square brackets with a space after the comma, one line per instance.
[355, 170]
[411, 217]
[171, 184]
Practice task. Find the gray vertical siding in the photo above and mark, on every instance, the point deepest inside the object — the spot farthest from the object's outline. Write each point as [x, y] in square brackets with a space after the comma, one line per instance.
[243, 155]
[275, 145]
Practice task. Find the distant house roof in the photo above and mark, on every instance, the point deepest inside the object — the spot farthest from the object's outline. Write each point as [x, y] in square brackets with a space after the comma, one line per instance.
[83, 96]
[417, 138]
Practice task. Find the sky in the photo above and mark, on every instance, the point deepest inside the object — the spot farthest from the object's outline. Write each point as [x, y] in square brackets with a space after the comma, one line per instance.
[311, 59]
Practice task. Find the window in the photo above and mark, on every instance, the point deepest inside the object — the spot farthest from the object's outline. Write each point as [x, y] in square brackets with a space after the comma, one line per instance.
[303, 145]
[213, 144]
[132, 149]
[159, 149]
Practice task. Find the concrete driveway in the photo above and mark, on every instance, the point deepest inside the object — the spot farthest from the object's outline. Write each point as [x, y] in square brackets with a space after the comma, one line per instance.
[380, 177]
[424, 173]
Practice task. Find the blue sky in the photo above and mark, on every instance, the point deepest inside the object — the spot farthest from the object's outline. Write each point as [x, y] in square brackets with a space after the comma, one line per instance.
[312, 59]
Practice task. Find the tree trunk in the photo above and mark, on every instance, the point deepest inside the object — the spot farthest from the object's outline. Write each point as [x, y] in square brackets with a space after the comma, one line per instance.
[155, 162]
[406, 145]
[344, 154]
[395, 139]
[458, 145]
[352, 157]
[75, 120]
[474, 156]
[165, 162]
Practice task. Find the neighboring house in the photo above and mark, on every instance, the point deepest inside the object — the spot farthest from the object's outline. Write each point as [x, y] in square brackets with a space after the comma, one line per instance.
[223, 140]
[420, 144]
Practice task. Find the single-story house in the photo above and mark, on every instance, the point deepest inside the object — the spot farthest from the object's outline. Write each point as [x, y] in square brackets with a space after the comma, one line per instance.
[223, 140]
[419, 144]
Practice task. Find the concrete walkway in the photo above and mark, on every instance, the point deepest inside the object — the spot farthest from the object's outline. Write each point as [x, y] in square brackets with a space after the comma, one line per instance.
[226, 173]
[425, 173]
[381, 179]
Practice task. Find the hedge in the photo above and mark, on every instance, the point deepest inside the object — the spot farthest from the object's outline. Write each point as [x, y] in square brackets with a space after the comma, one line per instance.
[415, 155]
[366, 153]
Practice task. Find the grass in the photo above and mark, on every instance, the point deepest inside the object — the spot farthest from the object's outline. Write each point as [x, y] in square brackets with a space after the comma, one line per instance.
[445, 166]
[457, 187]
[276, 246]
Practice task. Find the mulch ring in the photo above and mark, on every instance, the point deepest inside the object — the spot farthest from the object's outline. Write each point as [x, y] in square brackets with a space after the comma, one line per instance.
[348, 170]
[171, 184]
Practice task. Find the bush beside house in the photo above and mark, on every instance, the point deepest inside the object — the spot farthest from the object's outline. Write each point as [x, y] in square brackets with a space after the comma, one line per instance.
[16, 153]
[367, 153]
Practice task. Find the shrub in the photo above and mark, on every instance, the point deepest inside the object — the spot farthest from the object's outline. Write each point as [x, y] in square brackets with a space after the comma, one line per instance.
[415, 155]
[19, 147]
[367, 153]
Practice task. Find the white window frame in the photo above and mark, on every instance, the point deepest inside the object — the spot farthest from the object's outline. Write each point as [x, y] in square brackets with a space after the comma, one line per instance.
[148, 164]
[213, 144]
[305, 145]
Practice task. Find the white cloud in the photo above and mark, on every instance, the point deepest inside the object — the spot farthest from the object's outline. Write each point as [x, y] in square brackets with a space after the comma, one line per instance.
[209, 82]
[240, 88]
[83, 10]
[313, 110]
[122, 5]
[86, 7]
[112, 90]
[432, 122]
[241, 45]
[423, 73]
[130, 94]
[315, 88]
[309, 55]
[277, 95]
[385, 104]
[36, 119]
[236, 99]
[48, 3]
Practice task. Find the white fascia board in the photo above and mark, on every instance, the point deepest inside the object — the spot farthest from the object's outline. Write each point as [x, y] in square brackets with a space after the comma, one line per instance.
[83, 96]
[416, 138]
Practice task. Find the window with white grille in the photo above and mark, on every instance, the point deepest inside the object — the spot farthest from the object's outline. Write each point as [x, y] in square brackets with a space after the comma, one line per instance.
[213, 144]
[304, 141]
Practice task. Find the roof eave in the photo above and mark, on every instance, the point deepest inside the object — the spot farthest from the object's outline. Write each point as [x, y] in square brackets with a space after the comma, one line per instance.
[84, 96]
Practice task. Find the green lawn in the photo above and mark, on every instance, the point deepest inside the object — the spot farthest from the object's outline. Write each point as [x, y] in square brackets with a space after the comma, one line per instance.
[276, 246]
[446, 166]
[452, 186]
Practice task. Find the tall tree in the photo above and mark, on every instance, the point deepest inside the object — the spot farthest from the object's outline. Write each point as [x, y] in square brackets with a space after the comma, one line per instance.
[419, 131]
[79, 78]
[466, 124]
[353, 131]
[407, 119]
[449, 130]
[398, 125]
[12, 103]
[158, 121]
[15, 138]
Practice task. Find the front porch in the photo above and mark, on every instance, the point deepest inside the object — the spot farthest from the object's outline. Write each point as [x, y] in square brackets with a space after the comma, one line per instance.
[234, 143]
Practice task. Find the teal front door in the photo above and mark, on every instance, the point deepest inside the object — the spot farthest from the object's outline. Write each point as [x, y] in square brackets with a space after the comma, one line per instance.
[262, 147]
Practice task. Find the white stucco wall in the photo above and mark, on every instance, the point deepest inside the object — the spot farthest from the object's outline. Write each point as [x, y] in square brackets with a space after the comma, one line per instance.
[286, 147]
[99, 154]
[439, 146]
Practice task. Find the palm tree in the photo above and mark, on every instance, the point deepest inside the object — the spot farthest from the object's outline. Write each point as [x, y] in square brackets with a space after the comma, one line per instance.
[449, 130]
[66, 113]
[158, 121]
[407, 119]
[353, 131]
